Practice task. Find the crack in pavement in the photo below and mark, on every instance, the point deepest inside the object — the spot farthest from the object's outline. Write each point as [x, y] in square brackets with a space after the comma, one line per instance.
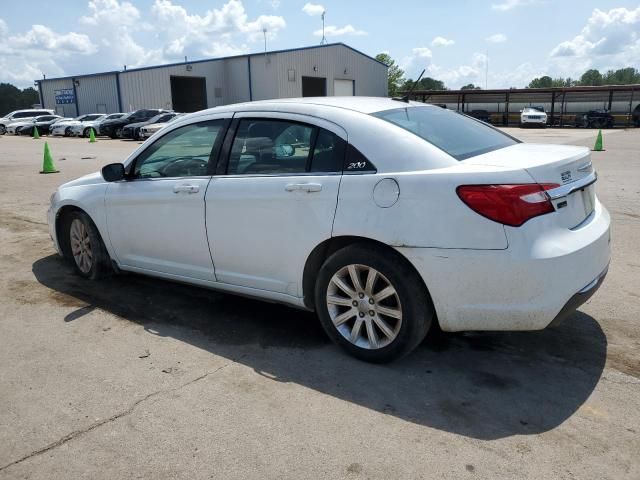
[93, 426]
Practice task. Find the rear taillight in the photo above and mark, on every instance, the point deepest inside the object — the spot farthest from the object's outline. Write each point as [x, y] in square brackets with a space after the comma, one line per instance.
[508, 204]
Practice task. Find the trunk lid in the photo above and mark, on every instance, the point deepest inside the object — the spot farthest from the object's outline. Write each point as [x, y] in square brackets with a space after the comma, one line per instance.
[564, 165]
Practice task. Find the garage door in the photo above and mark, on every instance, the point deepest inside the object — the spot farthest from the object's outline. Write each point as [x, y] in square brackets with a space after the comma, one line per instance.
[343, 88]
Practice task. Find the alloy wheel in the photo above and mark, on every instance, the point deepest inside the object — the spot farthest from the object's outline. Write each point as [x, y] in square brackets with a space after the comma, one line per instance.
[364, 306]
[81, 245]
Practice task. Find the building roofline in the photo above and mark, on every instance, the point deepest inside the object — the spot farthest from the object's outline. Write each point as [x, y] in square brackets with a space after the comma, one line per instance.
[205, 60]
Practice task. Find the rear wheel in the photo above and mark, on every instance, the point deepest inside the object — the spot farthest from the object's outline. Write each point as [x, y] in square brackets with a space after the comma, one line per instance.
[67, 132]
[371, 303]
[118, 133]
[86, 249]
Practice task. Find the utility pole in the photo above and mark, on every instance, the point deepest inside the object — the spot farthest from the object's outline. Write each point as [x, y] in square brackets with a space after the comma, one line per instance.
[264, 32]
[324, 39]
[486, 70]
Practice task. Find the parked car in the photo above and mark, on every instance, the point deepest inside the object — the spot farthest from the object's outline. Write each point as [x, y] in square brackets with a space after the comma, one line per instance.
[381, 215]
[533, 116]
[595, 119]
[150, 129]
[635, 116]
[82, 129]
[114, 128]
[43, 122]
[26, 114]
[133, 129]
[482, 115]
[64, 128]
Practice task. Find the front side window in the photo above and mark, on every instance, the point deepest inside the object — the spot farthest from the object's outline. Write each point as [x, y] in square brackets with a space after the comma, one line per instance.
[459, 136]
[267, 147]
[183, 152]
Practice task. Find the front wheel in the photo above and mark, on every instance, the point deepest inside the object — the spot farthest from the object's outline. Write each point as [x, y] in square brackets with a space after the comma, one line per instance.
[88, 254]
[371, 303]
[86, 133]
[3, 129]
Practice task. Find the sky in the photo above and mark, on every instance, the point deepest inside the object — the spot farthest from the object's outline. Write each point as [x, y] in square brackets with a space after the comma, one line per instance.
[494, 43]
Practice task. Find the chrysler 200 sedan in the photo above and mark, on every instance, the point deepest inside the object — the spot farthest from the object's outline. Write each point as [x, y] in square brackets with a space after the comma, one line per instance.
[385, 217]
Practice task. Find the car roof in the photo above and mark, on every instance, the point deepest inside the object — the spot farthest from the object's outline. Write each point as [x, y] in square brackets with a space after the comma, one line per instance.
[357, 104]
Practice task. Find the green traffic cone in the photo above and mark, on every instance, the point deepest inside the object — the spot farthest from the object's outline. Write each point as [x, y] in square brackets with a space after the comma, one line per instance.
[598, 146]
[36, 135]
[92, 136]
[47, 163]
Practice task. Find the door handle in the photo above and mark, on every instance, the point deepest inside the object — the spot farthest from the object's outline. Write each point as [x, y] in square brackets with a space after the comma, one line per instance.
[303, 187]
[185, 188]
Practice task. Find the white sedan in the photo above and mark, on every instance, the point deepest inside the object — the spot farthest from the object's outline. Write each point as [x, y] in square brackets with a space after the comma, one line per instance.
[63, 128]
[82, 129]
[383, 216]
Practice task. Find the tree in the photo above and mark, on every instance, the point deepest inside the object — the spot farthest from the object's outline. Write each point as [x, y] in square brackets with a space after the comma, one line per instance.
[542, 82]
[470, 86]
[622, 76]
[395, 74]
[591, 77]
[425, 83]
[12, 98]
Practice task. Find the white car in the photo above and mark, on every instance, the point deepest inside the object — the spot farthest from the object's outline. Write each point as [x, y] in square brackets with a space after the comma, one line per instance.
[533, 116]
[63, 128]
[148, 130]
[382, 216]
[22, 115]
[82, 129]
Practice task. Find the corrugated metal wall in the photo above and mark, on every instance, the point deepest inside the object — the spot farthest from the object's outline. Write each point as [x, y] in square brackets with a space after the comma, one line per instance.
[97, 94]
[151, 88]
[270, 74]
[48, 96]
[227, 80]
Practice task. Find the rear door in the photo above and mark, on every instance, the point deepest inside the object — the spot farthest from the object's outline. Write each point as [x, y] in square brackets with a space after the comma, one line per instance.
[274, 200]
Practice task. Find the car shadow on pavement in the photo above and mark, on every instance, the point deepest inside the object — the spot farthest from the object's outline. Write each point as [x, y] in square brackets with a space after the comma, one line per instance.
[481, 385]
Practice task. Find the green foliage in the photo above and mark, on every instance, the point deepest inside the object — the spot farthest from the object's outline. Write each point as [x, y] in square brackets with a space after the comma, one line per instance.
[395, 74]
[542, 82]
[12, 98]
[470, 86]
[591, 77]
[425, 83]
[623, 76]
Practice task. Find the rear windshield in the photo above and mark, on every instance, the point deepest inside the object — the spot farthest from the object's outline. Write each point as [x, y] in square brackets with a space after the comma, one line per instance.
[459, 136]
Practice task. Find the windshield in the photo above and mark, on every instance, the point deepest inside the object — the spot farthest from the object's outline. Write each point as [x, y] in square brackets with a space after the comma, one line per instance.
[90, 118]
[459, 136]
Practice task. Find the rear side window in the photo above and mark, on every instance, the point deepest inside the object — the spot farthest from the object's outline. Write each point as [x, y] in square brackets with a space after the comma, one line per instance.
[24, 115]
[459, 136]
[272, 147]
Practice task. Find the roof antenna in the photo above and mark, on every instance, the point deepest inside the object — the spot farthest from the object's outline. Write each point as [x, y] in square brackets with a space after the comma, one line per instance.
[324, 39]
[405, 97]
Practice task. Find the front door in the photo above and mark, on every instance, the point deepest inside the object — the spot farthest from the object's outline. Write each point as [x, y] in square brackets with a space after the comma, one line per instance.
[276, 202]
[155, 219]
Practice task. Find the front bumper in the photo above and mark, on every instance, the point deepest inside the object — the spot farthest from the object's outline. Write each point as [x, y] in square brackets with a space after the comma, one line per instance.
[524, 287]
[533, 121]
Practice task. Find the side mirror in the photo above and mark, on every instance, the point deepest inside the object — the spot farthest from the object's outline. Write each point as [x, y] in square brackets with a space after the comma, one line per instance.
[113, 172]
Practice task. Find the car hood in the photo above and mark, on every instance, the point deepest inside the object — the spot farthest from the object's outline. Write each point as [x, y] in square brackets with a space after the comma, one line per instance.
[91, 179]
[67, 123]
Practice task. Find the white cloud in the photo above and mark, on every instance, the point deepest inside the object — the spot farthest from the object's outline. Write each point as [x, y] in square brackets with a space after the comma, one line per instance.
[333, 31]
[511, 4]
[422, 52]
[609, 40]
[442, 42]
[313, 9]
[110, 34]
[496, 38]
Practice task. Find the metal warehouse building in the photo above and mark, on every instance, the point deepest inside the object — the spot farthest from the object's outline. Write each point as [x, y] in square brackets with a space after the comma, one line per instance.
[333, 69]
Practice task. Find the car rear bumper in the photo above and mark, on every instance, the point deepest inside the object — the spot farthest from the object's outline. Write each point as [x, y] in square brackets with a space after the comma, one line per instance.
[524, 287]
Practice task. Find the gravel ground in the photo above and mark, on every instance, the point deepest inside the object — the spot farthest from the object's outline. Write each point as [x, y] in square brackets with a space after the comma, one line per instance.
[133, 377]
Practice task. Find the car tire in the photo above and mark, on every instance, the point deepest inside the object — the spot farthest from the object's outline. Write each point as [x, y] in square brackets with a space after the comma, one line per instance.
[86, 250]
[86, 132]
[370, 327]
[67, 132]
[118, 132]
[3, 129]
